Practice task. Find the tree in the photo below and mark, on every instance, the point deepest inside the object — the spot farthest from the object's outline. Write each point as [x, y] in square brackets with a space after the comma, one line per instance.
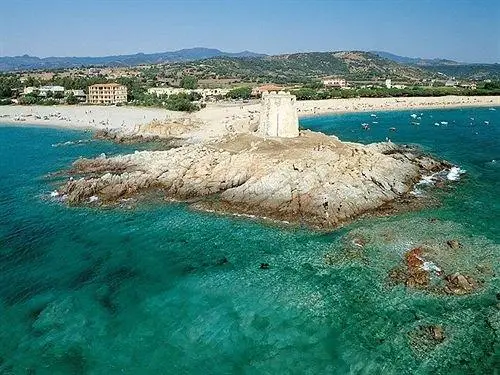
[29, 99]
[32, 82]
[189, 82]
[180, 102]
[71, 99]
[305, 94]
[492, 85]
[5, 92]
[240, 93]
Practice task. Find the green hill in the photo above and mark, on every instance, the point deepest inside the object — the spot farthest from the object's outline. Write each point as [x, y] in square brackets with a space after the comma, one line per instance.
[299, 68]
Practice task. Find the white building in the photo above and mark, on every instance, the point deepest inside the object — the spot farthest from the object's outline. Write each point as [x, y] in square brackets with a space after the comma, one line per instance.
[79, 94]
[388, 83]
[335, 82]
[165, 91]
[43, 90]
[205, 93]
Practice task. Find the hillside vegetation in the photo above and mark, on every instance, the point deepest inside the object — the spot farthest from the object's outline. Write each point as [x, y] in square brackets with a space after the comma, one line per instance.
[299, 68]
[468, 71]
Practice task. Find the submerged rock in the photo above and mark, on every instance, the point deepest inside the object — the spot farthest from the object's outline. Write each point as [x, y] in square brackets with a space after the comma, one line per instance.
[312, 179]
[417, 276]
[425, 338]
[459, 284]
[454, 244]
[222, 261]
[419, 272]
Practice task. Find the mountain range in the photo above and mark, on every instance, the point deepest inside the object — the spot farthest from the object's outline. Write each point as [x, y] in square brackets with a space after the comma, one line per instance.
[448, 68]
[416, 60]
[353, 64]
[26, 62]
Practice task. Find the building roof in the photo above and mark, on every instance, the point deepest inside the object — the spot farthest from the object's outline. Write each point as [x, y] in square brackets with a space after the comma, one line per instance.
[270, 87]
[107, 85]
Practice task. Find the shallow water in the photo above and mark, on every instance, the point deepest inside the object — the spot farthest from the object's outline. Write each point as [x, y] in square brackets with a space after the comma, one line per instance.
[161, 289]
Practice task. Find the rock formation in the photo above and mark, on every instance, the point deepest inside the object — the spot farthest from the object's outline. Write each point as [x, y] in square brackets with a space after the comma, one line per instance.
[312, 179]
[420, 270]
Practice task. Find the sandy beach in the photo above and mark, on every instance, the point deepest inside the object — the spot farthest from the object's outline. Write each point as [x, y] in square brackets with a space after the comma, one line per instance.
[319, 107]
[216, 119]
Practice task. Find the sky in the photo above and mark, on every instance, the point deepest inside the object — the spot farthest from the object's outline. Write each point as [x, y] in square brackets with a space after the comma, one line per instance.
[462, 30]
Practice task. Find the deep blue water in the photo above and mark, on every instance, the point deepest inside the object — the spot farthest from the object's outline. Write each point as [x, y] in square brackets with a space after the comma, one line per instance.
[162, 289]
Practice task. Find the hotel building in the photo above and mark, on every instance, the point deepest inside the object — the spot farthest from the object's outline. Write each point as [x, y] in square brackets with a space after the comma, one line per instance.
[107, 93]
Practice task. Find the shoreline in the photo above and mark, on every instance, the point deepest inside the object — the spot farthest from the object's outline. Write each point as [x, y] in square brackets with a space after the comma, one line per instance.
[214, 121]
[324, 114]
[313, 108]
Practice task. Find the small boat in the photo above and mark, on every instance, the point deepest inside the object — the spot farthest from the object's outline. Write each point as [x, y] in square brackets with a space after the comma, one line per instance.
[365, 126]
[444, 122]
[413, 115]
[374, 122]
[436, 124]
[392, 129]
[373, 115]
[487, 122]
[415, 123]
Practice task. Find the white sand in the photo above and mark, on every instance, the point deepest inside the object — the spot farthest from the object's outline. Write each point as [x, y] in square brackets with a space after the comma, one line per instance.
[215, 119]
[316, 107]
[83, 117]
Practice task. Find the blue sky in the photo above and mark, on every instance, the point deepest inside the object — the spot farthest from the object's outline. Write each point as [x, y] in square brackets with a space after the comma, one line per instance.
[465, 30]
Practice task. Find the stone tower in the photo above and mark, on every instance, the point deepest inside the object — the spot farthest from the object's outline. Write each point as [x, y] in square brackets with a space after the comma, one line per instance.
[278, 115]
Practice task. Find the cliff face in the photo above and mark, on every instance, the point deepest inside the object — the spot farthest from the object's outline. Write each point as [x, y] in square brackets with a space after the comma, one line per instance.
[312, 179]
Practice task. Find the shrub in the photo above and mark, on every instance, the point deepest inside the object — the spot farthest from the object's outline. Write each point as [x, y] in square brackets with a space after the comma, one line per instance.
[29, 100]
[189, 82]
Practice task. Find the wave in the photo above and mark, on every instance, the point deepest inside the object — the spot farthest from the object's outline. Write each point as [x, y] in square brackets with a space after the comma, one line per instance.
[452, 174]
[70, 143]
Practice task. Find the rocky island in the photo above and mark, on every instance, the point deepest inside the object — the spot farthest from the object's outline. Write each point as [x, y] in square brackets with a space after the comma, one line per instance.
[276, 172]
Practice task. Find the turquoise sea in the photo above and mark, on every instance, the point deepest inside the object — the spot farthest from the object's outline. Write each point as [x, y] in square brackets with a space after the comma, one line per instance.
[162, 289]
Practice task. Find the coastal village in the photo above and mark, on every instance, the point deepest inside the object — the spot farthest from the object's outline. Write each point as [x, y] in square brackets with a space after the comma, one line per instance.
[229, 100]
[189, 86]
[114, 93]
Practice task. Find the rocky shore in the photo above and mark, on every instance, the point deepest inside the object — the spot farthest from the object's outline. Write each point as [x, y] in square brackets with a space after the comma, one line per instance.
[313, 179]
